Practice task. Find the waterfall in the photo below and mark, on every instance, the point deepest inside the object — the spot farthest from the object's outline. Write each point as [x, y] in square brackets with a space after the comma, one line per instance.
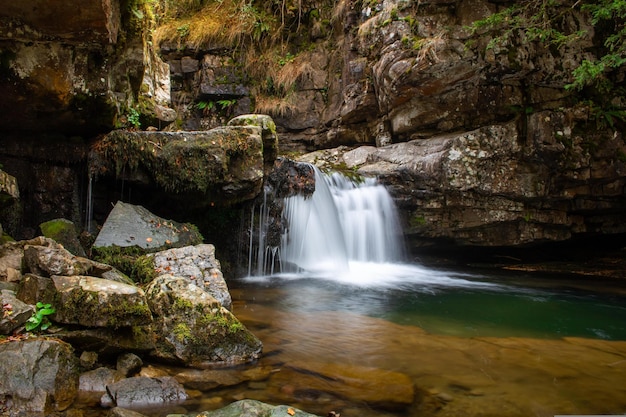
[342, 223]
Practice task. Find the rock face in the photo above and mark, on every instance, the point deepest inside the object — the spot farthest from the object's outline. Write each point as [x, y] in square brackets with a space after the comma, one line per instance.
[488, 147]
[66, 71]
[372, 73]
[143, 392]
[491, 187]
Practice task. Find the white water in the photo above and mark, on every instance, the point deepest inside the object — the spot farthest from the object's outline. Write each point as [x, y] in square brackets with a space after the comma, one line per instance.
[345, 232]
[342, 222]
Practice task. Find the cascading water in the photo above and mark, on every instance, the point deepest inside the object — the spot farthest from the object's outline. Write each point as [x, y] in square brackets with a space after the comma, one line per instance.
[343, 222]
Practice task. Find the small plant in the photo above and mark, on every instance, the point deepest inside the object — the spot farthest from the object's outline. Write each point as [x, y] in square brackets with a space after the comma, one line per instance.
[133, 117]
[39, 320]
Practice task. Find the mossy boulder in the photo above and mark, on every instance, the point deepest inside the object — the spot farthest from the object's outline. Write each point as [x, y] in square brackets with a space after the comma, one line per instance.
[96, 302]
[221, 166]
[193, 329]
[63, 231]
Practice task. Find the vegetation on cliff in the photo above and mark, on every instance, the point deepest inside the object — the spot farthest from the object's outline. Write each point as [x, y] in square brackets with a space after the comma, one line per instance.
[596, 77]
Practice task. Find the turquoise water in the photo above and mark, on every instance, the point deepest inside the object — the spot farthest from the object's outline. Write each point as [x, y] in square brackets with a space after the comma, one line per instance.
[460, 304]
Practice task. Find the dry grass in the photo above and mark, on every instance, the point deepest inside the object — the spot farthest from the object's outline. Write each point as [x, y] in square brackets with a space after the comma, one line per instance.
[226, 23]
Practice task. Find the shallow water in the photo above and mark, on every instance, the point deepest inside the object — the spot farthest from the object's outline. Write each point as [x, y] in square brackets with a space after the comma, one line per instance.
[464, 344]
[511, 345]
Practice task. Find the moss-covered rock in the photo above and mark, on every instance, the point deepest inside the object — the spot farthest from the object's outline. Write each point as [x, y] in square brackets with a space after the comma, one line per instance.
[96, 302]
[63, 231]
[220, 166]
[192, 328]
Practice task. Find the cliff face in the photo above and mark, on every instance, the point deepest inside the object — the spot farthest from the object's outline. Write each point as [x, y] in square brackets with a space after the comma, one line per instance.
[474, 131]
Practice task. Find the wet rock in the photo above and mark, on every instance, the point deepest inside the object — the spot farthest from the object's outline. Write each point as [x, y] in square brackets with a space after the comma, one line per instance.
[208, 379]
[96, 302]
[198, 265]
[130, 225]
[122, 412]
[38, 375]
[140, 392]
[193, 328]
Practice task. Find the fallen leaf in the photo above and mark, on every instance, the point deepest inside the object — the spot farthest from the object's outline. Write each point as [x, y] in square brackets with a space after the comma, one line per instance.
[148, 239]
[291, 411]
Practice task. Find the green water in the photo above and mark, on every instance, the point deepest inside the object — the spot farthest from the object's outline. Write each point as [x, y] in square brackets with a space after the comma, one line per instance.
[497, 313]
[448, 303]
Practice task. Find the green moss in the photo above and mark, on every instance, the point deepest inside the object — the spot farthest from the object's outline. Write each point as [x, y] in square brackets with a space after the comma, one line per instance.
[417, 221]
[182, 333]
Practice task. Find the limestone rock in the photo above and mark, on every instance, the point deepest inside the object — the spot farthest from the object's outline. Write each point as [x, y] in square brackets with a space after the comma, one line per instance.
[130, 225]
[54, 260]
[97, 302]
[141, 392]
[197, 264]
[193, 328]
[38, 375]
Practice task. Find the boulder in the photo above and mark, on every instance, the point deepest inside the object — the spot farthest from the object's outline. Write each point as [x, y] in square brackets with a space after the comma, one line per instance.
[38, 375]
[142, 392]
[192, 328]
[97, 302]
[129, 225]
[64, 232]
[197, 264]
[9, 191]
